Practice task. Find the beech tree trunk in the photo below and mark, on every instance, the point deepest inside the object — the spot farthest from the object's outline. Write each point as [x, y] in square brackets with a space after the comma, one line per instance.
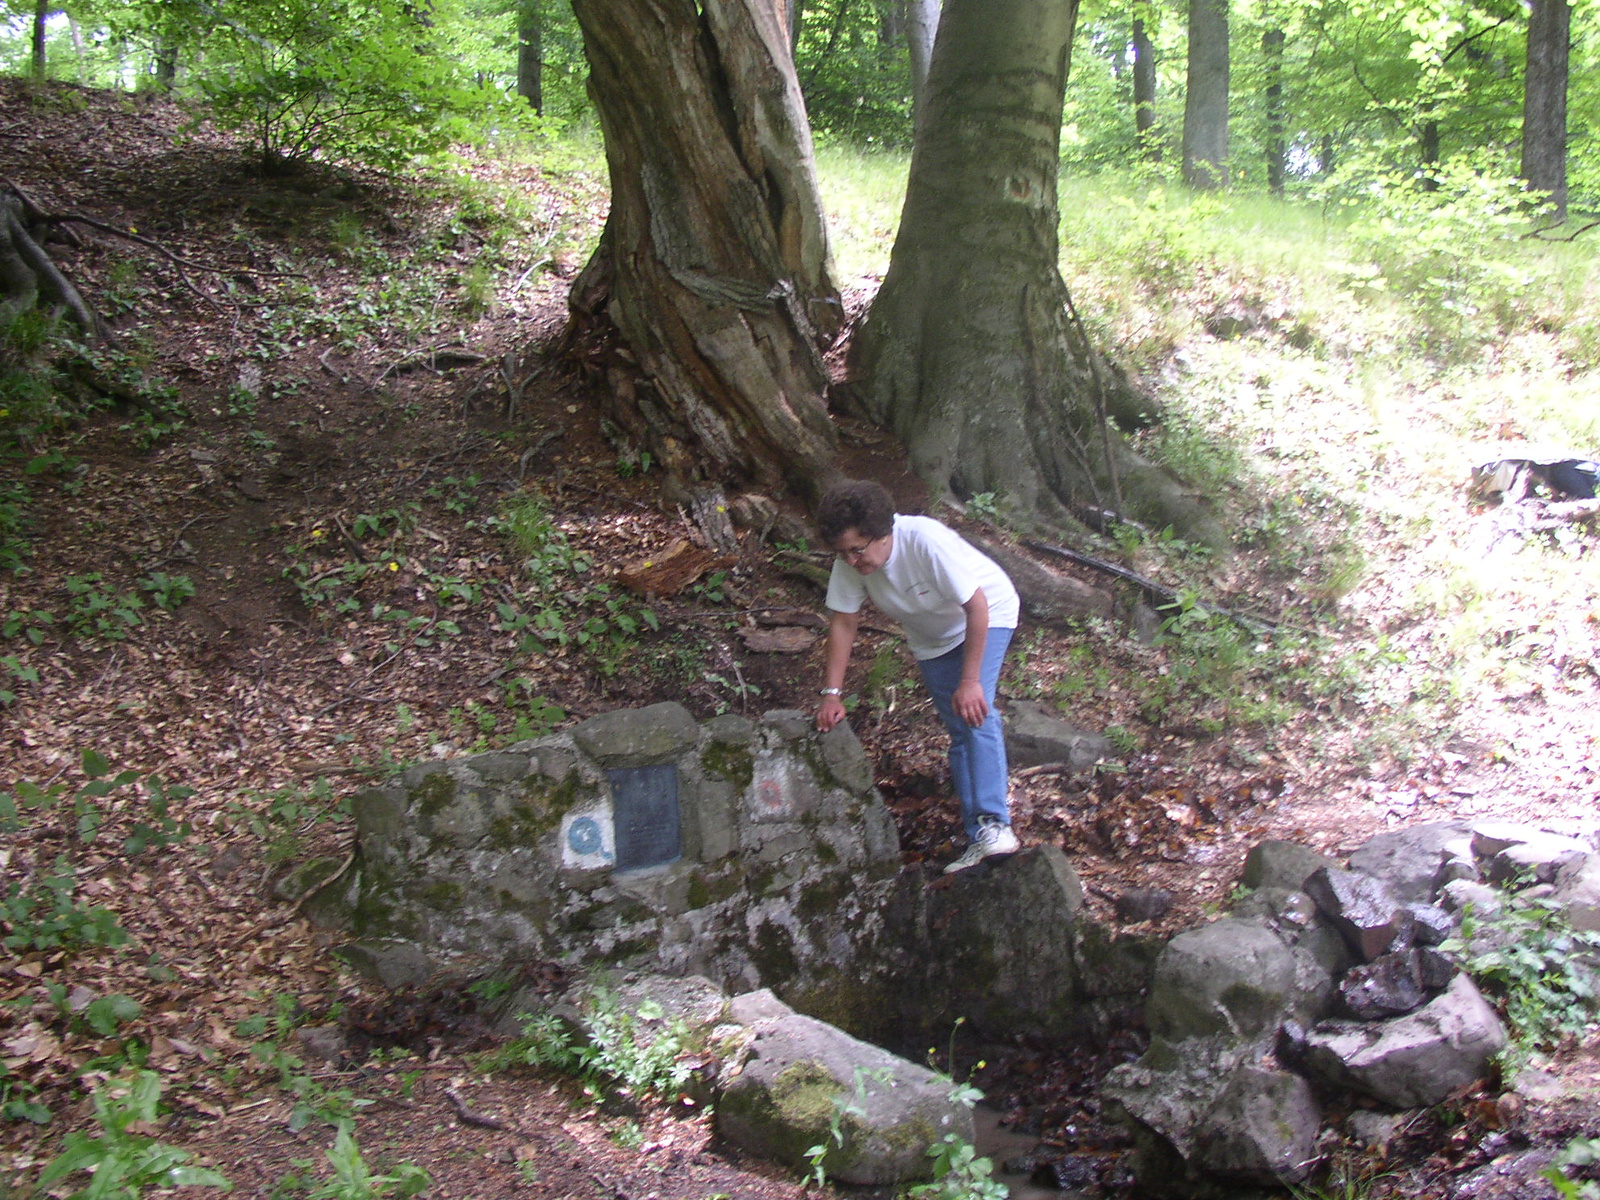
[530, 53]
[922, 24]
[1205, 109]
[39, 64]
[708, 302]
[1272, 53]
[970, 352]
[1144, 91]
[1544, 105]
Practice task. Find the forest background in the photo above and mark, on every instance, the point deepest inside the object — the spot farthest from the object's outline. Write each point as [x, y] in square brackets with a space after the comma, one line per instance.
[1346, 308]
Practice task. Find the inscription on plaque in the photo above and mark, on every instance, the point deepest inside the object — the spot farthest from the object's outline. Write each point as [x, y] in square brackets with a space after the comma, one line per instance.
[644, 815]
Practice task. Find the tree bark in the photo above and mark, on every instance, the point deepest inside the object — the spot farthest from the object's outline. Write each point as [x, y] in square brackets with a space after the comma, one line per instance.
[922, 24]
[1205, 109]
[1272, 53]
[39, 63]
[971, 352]
[530, 53]
[1544, 105]
[710, 297]
[1144, 91]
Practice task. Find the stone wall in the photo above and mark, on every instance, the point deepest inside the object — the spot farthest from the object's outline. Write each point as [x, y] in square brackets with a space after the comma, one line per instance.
[756, 853]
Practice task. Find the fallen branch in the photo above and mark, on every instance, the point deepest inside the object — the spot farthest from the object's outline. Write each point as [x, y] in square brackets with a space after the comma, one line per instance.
[1158, 594]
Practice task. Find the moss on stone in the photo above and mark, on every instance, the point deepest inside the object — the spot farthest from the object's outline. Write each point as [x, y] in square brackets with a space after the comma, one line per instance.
[733, 763]
[435, 793]
[540, 808]
[442, 895]
[803, 1095]
[773, 954]
[822, 897]
[706, 888]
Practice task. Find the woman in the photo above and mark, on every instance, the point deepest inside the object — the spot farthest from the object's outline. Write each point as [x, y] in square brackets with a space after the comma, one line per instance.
[957, 610]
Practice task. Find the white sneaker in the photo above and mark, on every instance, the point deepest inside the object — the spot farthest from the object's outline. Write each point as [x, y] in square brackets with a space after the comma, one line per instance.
[993, 838]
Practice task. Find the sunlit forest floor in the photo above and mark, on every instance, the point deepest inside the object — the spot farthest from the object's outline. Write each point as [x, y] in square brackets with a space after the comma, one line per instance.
[321, 534]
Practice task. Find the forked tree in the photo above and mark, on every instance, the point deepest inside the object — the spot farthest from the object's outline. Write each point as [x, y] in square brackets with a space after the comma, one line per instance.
[972, 351]
[713, 265]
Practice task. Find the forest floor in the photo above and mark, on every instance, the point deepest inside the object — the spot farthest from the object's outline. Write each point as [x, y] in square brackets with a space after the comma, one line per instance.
[323, 444]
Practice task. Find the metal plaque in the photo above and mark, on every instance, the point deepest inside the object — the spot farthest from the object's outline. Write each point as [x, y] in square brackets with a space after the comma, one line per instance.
[644, 813]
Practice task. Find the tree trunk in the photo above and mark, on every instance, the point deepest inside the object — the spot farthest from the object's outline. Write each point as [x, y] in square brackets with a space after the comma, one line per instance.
[1144, 91]
[166, 63]
[971, 352]
[713, 269]
[1272, 52]
[1428, 151]
[530, 53]
[39, 64]
[922, 24]
[1205, 109]
[795, 16]
[1544, 104]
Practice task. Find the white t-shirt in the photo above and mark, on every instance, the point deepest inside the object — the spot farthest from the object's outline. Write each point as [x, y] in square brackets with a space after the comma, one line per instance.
[932, 571]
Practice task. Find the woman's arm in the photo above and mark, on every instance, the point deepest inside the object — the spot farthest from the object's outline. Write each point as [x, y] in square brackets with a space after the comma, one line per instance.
[842, 628]
[968, 699]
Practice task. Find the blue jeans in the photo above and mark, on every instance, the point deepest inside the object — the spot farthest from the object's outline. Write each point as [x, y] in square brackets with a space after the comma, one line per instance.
[977, 753]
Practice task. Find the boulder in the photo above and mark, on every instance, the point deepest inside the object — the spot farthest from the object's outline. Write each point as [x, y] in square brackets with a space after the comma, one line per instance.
[1415, 862]
[1035, 736]
[1279, 864]
[1415, 1060]
[1231, 977]
[804, 1080]
[1388, 986]
[1000, 947]
[1262, 1128]
[1371, 918]
[1203, 1107]
[1515, 854]
[1577, 885]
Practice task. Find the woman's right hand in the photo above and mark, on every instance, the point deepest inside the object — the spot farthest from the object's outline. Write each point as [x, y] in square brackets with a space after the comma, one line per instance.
[829, 713]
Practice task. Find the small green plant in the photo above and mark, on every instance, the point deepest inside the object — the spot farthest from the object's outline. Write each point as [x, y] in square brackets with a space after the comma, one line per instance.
[845, 1106]
[1580, 1152]
[97, 610]
[635, 1054]
[121, 1162]
[43, 914]
[354, 1180]
[1544, 973]
[313, 1101]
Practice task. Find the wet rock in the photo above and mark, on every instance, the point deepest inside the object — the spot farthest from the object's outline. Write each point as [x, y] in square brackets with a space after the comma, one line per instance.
[1437, 969]
[1512, 853]
[1415, 1060]
[1369, 915]
[1516, 1176]
[803, 1075]
[1143, 904]
[1460, 894]
[1261, 1129]
[1070, 1172]
[1414, 862]
[1231, 977]
[1278, 864]
[1388, 986]
[1432, 923]
[1374, 1130]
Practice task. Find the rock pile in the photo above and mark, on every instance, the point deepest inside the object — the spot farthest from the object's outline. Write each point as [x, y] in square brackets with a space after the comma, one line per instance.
[1325, 980]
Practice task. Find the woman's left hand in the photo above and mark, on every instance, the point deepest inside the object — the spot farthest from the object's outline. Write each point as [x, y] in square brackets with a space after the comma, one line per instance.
[969, 703]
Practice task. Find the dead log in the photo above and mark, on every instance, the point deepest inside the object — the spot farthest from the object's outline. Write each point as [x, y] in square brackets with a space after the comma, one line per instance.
[1047, 595]
[673, 569]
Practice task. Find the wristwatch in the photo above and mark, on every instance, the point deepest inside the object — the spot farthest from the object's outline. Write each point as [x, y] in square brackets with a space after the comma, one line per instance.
[831, 692]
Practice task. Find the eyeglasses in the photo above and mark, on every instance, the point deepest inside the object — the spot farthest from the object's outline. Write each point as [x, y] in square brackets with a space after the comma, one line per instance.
[854, 554]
